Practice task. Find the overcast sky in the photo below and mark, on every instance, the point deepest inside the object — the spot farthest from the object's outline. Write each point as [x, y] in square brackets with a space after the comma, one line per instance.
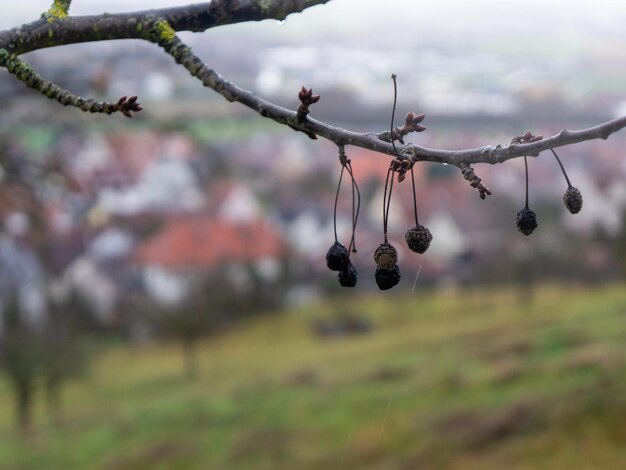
[352, 12]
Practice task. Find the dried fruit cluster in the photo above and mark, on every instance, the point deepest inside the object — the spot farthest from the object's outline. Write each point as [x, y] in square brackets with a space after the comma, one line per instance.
[338, 256]
[526, 219]
[418, 238]
[387, 273]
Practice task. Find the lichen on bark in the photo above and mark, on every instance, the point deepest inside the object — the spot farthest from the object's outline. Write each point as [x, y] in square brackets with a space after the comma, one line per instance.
[58, 10]
[164, 32]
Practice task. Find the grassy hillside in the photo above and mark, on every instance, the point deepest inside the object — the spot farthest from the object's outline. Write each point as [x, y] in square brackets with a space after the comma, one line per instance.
[471, 380]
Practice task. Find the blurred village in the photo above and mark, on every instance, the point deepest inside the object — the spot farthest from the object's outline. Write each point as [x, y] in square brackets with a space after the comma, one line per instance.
[197, 213]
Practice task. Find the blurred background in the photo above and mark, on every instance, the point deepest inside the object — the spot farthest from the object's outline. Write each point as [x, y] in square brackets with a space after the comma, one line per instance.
[164, 300]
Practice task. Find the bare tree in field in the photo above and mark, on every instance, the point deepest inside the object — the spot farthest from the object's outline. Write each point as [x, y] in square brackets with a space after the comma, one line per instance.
[20, 359]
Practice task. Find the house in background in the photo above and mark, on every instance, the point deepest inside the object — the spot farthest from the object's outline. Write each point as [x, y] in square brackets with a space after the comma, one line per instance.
[247, 256]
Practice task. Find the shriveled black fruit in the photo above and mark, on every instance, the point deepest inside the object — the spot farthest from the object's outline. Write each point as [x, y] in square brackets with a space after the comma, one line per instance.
[385, 256]
[387, 278]
[573, 200]
[418, 238]
[348, 276]
[526, 221]
[337, 257]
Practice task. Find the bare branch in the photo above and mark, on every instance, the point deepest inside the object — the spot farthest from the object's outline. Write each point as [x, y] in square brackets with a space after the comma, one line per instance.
[487, 154]
[197, 17]
[24, 73]
[159, 26]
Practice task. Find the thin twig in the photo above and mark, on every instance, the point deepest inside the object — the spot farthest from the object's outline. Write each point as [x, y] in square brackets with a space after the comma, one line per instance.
[24, 73]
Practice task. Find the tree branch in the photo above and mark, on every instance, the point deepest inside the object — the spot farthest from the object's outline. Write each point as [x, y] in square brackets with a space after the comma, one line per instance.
[199, 17]
[160, 26]
[372, 141]
[24, 73]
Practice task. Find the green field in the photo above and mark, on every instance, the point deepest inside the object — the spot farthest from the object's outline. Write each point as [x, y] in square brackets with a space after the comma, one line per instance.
[465, 380]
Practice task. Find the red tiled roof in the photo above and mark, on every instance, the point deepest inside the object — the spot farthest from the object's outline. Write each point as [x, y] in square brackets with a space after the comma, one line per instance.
[206, 242]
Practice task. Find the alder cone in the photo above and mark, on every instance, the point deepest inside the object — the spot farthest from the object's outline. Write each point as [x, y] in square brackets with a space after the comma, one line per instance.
[348, 276]
[526, 221]
[337, 257]
[387, 278]
[386, 256]
[418, 238]
[573, 200]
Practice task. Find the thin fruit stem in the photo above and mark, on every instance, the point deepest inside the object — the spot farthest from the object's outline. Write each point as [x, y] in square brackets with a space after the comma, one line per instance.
[352, 243]
[393, 113]
[387, 200]
[391, 179]
[355, 210]
[526, 165]
[414, 197]
[390, 172]
[336, 200]
[569, 185]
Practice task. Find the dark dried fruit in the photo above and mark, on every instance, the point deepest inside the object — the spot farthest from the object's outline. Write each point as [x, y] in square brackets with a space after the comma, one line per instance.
[337, 257]
[526, 221]
[386, 256]
[418, 238]
[348, 276]
[387, 278]
[573, 200]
